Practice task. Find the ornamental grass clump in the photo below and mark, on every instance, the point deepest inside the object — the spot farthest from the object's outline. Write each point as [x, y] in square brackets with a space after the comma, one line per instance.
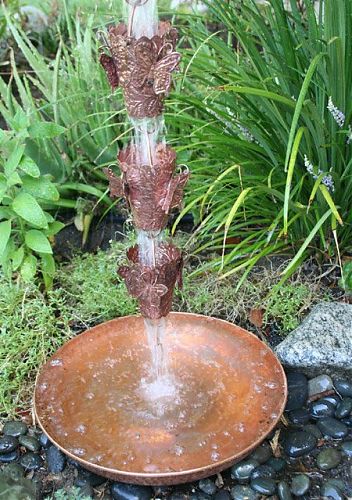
[268, 115]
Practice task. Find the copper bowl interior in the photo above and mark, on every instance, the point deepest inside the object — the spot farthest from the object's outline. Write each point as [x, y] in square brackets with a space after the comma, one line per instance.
[230, 393]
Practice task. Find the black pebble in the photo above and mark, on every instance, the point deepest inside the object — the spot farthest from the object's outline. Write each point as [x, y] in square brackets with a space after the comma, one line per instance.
[344, 408]
[31, 461]
[222, 495]
[343, 387]
[278, 464]
[265, 486]
[299, 443]
[122, 491]
[56, 460]
[6, 458]
[321, 409]
[299, 417]
[8, 444]
[15, 428]
[334, 428]
[44, 440]
[263, 471]
[297, 390]
[84, 476]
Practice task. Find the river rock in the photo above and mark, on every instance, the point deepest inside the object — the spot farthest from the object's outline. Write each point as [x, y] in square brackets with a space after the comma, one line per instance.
[85, 476]
[343, 387]
[344, 408]
[243, 493]
[207, 486]
[44, 440]
[262, 453]
[328, 459]
[321, 409]
[299, 443]
[334, 428]
[334, 399]
[278, 464]
[300, 485]
[319, 384]
[331, 492]
[346, 448]
[222, 495]
[322, 342]
[347, 421]
[122, 491]
[313, 429]
[299, 417]
[297, 384]
[56, 460]
[15, 428]
[283, 490]
[6, 458]
[263, 471]
[263, 485]
[242, 470]
[31, 461]
[8, 444]
[29, 442]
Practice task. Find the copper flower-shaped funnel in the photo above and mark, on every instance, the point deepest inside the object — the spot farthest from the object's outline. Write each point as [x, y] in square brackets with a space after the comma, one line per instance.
[142, 67]
[153, 286]
[152, 191]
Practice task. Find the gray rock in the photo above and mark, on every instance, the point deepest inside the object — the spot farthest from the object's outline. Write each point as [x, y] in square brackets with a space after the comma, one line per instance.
[322, 342]
[15, 428]
[29, 442]
[243, 493]
[56, 460]
[328, 459]
[343, 387]
[319, 384]
[300, 485]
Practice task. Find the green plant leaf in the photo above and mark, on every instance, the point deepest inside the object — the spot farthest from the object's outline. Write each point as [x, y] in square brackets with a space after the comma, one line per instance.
[3, 186]
[13, 160]
[41, 188]
[37, 241]
[5, 232]
[17, 258]
[27, 207]
[54, 228]
[13, 179]
[48, 264]
[29, 167]
[29, 268]
[331, 203]
[47, 130]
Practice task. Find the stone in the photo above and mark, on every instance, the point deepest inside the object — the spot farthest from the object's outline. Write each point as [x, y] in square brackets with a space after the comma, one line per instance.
[331, 492]
[263, 471]
[14, 471]
[242, 470]
[333, 399]
[319, 384]
[207, 486]
[297, 384]
[321, 409]
[346, 448]
[123, 491]
[263, 485]
[299, 443]
[15, 428]
[299, 417]
[313, 429]
[44, 440]
[347, 421]
[56, 460]
[323, 342]
[344, 408]
[31, 461]
[29, 442]
[283, 491]
[222, 495]
[200, 495]
[85, 476]
[328, 459]
[300, 485]
[278, 464]
[6, 458]
[8, 444]
[343, 387]
[334, 428]
[243, 493]
[262, 453]
[336, 482]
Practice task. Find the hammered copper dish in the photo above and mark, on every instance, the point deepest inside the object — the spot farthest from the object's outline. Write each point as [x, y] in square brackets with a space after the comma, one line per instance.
[231, 394]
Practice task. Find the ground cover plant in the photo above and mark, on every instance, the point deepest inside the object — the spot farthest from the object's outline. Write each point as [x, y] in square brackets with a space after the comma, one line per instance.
[268, 118]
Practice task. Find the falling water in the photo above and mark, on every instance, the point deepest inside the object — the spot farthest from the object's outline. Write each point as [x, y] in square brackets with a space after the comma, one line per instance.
[148, 133]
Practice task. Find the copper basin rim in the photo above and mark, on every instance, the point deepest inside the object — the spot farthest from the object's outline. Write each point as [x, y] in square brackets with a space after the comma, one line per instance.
[233, 393]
